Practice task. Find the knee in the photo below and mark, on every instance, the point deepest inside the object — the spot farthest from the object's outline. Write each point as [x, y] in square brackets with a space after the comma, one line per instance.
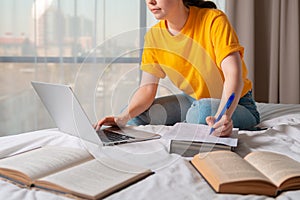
[199, 110]
[155, 115]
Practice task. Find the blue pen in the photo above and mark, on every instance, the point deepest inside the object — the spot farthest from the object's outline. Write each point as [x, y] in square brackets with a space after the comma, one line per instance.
[227, 105]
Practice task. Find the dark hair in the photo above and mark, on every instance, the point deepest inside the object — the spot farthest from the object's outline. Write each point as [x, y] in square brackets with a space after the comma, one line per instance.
[199, 3]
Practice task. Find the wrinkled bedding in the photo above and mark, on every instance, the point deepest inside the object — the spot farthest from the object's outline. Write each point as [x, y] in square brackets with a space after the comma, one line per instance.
[174, 177]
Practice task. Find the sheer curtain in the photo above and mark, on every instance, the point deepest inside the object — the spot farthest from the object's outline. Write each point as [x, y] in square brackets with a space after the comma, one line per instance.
[269, 31]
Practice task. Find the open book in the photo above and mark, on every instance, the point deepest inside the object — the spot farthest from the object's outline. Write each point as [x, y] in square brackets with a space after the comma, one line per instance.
[70, 171]
[260, 172]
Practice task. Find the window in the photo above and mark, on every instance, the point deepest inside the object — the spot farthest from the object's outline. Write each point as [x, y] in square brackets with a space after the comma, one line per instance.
[59, 41]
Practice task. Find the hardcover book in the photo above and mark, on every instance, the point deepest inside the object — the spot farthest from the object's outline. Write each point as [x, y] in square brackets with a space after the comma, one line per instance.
[261, 172]
[191, 148]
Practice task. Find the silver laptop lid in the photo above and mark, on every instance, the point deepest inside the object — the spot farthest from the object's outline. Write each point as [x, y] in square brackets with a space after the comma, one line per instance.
[66, 111]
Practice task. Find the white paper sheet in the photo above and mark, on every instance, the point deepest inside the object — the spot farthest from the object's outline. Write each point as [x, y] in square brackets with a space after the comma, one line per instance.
[198, 132]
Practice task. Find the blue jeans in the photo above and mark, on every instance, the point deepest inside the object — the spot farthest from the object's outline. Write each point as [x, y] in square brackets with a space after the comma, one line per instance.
[171, 109]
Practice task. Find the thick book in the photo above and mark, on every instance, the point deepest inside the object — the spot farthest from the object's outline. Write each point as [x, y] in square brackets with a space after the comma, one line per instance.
[70, 171]
[191, 148]
[190, 139]
[260, 172]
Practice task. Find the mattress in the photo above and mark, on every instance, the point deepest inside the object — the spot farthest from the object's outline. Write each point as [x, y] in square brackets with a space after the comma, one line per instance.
[174, 176]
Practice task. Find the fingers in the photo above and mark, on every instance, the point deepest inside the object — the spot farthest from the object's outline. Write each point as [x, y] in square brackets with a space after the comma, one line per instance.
[97, 125]
[210, 120]
[223, 127]
[224, 130]
[108, 121]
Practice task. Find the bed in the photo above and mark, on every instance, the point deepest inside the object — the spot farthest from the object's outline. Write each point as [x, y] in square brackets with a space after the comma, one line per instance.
[174, 176]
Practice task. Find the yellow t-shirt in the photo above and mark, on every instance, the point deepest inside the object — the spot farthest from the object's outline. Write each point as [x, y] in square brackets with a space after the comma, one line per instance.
[192, 59]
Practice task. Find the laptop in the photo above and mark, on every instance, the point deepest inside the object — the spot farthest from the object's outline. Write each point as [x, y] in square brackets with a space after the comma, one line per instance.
[70, 118]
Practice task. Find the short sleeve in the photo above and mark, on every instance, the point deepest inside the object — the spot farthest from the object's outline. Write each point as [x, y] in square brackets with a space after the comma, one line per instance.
[224, 38]
[149, 59]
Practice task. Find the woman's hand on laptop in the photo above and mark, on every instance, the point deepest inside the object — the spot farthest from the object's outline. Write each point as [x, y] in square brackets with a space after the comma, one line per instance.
[111, 121]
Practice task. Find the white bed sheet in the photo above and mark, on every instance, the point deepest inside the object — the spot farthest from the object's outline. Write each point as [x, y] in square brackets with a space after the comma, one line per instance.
[174, 177]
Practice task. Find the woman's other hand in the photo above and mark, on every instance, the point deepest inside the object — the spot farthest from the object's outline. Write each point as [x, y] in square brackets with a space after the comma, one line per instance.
[223, 128]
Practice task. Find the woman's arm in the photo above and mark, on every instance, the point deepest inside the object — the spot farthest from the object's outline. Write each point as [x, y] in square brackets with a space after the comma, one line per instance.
[141, 101]
[232, 70]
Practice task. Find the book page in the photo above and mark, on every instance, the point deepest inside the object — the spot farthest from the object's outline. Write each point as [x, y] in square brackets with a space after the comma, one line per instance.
[229, 167]
[45, 160]
[200, 133]
[276, 167]
[93, 179]
[227, 172]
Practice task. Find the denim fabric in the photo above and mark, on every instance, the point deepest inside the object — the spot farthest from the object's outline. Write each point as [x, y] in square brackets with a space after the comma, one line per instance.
[178, 108]
[245, 115]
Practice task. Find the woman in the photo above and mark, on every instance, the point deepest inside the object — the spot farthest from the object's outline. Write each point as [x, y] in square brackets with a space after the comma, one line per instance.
[195, 46]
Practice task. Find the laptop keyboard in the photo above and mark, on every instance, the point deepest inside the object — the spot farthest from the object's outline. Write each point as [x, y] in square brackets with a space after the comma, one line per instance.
[108, 136]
